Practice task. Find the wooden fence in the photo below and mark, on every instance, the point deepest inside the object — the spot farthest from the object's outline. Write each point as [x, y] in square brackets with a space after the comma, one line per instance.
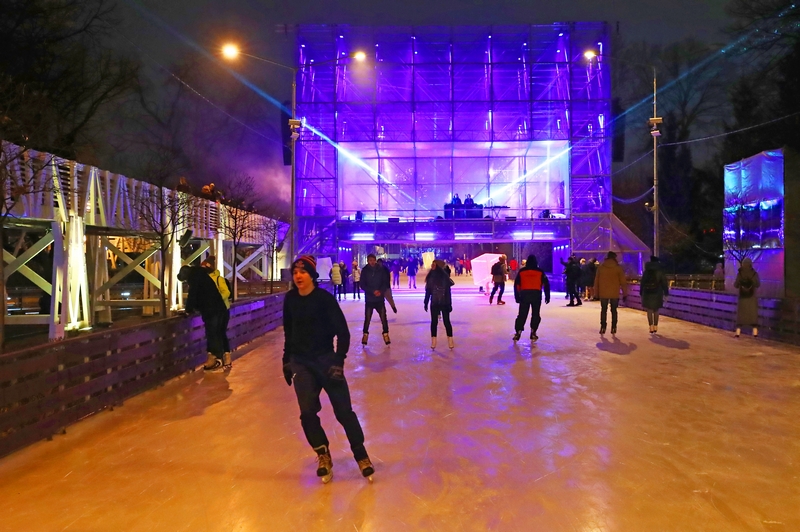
[779, 319]
[45, 388]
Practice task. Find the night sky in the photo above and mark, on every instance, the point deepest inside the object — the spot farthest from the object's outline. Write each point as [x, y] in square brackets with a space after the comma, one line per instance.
[177, 28]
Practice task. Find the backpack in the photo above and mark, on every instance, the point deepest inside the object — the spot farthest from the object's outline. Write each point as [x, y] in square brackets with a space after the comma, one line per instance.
[228, 284]
[649, 281]
[438, 294]
[746, 288]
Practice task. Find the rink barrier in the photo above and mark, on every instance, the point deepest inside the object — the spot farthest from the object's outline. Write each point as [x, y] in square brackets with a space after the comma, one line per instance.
[46, 388]
[779, 319]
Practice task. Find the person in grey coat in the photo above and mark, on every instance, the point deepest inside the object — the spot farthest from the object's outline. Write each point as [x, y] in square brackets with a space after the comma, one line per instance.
[747, 282]
[654, 287]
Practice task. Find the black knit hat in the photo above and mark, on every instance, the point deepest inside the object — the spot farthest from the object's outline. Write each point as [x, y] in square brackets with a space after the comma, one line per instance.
[307, 263]
[531, 262]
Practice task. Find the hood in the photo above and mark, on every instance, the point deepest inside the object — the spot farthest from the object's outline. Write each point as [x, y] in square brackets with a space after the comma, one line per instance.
[531, 262]
[652, 266]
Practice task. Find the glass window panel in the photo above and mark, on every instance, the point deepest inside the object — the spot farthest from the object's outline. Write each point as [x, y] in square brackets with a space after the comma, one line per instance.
[432, 49]
[509, 47]
[590, 81]
[470, 170]
[431, 199]
[472, 47]
[590, 157]
[510, 82]
[363, 172]
[356, 122]
[511, 121]
[434, 121]
[394, 122]
[316, 84]
[433, 171]
[590, 119]
[472, 121]
[394, 47]
[360, 198]
[355, 82]
[432, 83]
[549, 121]
[320, 116]
[394, 83]
[398, 171]
[470, 82]
[549, 81]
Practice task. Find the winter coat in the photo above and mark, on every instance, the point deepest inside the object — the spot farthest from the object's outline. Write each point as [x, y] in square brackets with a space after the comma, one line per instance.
[609, 280]
[356, 275]
[336, 274]
[499, 271]
[588, 271]
[203, 294]
[653, 286]
[442, 279]
[530, 283]
[345, 275]
[572, 270]
[374, 278]
[747, 304]
[222, 286]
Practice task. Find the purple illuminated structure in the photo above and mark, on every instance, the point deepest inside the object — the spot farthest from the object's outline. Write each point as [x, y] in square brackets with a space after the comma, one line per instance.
[514, 116]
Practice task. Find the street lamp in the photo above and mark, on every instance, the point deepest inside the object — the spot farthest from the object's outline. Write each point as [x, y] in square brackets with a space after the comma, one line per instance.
[654, 122]
[230, 51]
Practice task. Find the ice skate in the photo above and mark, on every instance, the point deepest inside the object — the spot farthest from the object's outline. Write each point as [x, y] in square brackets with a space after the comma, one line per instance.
[651, 330]
[367, 469]
[491, 299]
[517, 335]
[226, 361]
[212, 363]
[450, 342]
[534, 337]
[613, 329]
[324, 464]
[364, 338]
[433, 342]
[602, 329]
[655, 329]
[386, 339]
[500, 302]
[755, 332]
[737, 333]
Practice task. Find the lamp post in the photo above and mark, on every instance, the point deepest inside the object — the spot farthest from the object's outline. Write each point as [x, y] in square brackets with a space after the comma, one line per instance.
[231, 52]
[654, 122]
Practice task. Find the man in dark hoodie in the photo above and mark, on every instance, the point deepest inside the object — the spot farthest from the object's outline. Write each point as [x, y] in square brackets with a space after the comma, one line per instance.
[205, 298]
[375, 282]
[311, 320]
[529, 284]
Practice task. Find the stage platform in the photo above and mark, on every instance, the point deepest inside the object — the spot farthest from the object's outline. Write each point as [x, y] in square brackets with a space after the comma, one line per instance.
[688, 430]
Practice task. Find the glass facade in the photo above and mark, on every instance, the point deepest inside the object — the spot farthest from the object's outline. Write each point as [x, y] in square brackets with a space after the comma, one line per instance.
[513, 116]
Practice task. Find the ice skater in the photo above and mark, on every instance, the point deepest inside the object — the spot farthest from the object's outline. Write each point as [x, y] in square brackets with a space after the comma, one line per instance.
[387, 294]
[311, 319]
[375, 283]
[205, 297]
[356, 277]
[653, 288]
[608, 283]
[499, 273]
[412, 270]
[209, 264]
[529, 285]
[438, 294]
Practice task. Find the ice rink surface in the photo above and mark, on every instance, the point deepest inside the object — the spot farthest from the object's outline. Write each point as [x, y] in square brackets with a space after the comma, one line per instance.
[688, 430]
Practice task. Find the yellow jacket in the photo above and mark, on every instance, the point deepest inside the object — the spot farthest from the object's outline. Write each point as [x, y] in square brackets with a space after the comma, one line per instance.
[222, 286]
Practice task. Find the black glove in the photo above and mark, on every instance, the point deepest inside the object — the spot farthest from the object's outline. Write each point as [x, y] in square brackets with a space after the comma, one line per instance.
[287, 373]
[426, 308]
[547, 301]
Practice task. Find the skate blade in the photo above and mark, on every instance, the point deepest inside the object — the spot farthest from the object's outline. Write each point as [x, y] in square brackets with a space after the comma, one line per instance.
[326, 478]
[370, 479]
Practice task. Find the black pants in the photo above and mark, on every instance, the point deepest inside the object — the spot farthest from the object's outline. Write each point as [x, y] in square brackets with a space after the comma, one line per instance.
[604, 310]
[448, 327]
[572, 290]
[502, 287]
[343, 288]
[380, 306]
[309, 381]
[652, 316]
[356, 290]
[534, 305]
[217, 333]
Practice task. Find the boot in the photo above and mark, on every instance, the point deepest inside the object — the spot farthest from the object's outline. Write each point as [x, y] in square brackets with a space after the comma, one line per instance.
[324, 463]
[655, 329]
[226, 360]
[533, 336]
[738, 332]
[491, 299]
[517, 335]
[386, 339]
[450, 342]
[212, 363]
[433, 342]
[652, 330]
[364, 338]
[501, 302]
[613, 328]
[602, 329]
[755, 332]
[366, 467]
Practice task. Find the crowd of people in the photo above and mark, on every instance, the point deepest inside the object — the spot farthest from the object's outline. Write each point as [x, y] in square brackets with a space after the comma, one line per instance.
[312, 319]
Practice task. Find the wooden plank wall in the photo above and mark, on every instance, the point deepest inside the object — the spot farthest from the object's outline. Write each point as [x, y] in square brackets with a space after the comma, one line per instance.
[779, 319]
[45, 388]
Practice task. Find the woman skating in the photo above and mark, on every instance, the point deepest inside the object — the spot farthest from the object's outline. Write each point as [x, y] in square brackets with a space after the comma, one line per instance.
[438, 294]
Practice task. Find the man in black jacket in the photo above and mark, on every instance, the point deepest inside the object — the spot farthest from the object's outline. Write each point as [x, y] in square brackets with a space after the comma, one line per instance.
[572, 270]
[529, 285]
[311, 320]
[375, 283]
[204, 296]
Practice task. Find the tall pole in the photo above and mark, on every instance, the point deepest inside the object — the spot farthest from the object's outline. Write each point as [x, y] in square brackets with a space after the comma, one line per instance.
[293, 221]
[654, 122]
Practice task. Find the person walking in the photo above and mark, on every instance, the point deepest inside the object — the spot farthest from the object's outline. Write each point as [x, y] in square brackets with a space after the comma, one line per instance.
[529, 285]
[588, 272]
[356, 278]
[438, 294]
[747, 282]
[375, 283]
[653, 288]
[608, 283]
[387, 295]
[395, 269]
[336, 280]
[499, 273]
[209, 264]
[205, 298]
[412, 269]
[345, 276]
[311, 320]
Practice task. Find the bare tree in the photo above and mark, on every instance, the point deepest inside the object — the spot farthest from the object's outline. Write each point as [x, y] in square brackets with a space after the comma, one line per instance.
[238, 215]
[273, 233]
[740, 238]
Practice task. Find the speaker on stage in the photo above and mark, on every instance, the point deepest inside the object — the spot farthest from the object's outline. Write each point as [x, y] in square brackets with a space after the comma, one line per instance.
[511, 218]
[394, 220]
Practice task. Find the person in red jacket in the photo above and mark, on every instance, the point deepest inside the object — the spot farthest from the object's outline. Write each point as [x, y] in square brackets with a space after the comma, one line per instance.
[529, 285]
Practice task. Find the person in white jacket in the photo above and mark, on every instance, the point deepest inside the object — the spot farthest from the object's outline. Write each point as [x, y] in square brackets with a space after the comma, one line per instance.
[336, 280]
[355, 275]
